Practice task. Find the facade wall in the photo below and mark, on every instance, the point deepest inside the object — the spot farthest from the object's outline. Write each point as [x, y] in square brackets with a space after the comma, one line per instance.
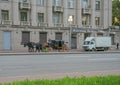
[80, 24]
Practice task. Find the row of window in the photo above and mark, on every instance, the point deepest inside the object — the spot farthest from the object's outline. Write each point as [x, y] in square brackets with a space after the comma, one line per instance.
[57, 17]
[42, 37]
[71, 3]
[23, 16]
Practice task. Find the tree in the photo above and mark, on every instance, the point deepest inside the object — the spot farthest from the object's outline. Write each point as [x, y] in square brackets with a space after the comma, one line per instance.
[116, 12]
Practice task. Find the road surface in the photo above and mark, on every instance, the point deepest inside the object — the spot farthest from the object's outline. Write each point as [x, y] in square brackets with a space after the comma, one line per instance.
[23, 65]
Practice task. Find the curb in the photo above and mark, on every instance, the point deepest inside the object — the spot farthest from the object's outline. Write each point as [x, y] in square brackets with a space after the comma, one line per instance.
[56, 53]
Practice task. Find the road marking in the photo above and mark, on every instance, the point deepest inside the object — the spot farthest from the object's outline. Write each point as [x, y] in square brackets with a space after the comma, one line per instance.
[104, 59]
[77, 56]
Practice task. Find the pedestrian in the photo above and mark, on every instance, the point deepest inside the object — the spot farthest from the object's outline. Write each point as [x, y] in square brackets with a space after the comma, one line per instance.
[117, 45]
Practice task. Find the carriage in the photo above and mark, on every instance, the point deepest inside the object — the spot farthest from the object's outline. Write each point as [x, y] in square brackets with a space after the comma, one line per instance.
[58, 45]
[47, 46]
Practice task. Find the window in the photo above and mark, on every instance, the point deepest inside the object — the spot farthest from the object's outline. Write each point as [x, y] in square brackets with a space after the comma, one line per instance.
[41, 2]
[58, 36]
[97, 21]
[70, 3]
[84, 20]
[4, 0]
[97, 5]
[84, 3]
[56, 18]
[70, 19]
[23, 16]
[5, 14]
[24, 0]
[56, 2]
[40, 17]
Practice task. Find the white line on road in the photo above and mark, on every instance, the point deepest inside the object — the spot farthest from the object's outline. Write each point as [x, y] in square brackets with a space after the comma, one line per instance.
[104, 59]
[77, 56]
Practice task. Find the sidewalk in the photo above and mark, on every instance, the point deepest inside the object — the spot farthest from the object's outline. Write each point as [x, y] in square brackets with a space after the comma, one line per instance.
[72, 51]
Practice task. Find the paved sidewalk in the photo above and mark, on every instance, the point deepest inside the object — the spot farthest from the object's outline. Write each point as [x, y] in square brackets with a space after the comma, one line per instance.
[72, 51]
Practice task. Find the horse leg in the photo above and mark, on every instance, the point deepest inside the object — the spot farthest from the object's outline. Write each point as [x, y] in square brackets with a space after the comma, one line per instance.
[28, 49]
[32, 49]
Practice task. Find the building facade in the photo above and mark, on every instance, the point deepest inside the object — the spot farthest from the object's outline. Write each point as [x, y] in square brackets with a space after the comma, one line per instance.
[22, 21]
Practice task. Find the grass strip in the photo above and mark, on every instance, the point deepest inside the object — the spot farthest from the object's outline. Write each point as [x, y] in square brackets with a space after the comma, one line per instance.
[97, 80]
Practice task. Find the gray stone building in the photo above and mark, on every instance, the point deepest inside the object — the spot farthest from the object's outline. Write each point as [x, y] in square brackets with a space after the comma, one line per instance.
[38, 20]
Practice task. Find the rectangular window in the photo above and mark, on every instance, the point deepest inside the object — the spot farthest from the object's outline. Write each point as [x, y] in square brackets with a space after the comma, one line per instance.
[84, 20]
[40, 17]
[24, 0]
[58, 36]
[97, 5]
[4, 0]
[70, 3]
[71, 19]
[56, 2]
[41, 2]
[23, 16]
[56, 18]
[5, 14]
[84, 3]
[97, 21]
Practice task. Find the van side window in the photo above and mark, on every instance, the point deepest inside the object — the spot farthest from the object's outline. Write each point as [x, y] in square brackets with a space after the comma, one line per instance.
[92, 43]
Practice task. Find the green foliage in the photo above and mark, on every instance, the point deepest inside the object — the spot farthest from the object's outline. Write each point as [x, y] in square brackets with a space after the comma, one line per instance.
[103, 80]
[116, 12]
[0, 84]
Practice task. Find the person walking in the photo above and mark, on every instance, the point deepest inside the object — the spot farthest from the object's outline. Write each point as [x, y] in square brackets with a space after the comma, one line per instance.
[117, 45]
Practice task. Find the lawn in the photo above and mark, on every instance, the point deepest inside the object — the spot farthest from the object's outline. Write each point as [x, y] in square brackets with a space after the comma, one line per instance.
[98, 80]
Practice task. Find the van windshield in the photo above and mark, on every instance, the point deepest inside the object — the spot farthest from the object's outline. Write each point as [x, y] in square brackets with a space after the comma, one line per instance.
[86, 42]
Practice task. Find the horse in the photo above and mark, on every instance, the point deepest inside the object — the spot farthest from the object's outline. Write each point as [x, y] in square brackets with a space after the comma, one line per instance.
[39, 47]
[30, 46]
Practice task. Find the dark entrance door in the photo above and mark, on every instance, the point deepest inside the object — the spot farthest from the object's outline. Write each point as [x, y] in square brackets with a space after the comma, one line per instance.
[25, 37]
[58, 36]
[112, 39]
[74, 41]
[86, 35]
[43, 37]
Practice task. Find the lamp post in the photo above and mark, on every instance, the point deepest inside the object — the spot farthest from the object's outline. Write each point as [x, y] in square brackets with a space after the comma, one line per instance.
[70, 20]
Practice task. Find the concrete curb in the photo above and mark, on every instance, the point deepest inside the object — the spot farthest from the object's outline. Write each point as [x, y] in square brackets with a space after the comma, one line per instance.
[56, 53]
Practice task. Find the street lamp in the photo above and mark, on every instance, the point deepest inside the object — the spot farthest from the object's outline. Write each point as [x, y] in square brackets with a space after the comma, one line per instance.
[70, 20]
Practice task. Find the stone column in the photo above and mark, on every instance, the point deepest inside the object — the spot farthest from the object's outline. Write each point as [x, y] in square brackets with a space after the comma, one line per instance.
[79, 8]
[33, 13]
[80, 40]
[65, 13]
[15, 12]
[49, 12]
[93, 13]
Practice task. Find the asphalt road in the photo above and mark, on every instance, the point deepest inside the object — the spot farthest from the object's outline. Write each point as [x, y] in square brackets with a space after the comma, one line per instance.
[21, 65]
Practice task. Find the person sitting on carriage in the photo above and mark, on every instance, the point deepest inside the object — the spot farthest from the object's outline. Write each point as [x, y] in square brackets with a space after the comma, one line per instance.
[49, 41]
[45, 46]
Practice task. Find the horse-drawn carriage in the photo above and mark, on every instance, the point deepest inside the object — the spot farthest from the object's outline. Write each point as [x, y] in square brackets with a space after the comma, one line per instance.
[47, 46]
[58, 45]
